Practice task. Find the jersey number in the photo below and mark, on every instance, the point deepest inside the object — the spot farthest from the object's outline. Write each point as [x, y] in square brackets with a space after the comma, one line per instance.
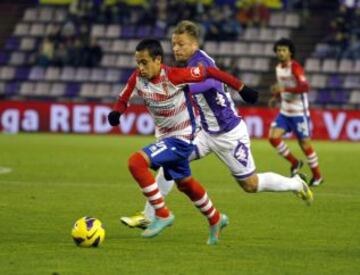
[157, 148]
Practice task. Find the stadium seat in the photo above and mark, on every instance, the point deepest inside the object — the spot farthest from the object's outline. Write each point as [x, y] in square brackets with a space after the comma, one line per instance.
[118, 46]
[251, 33]
[4, 58]
[166, 46]
[12, 43]
[11, 88]
[97, 30]
[323, 97]
[277, 19]
[37, 29]
[245, 63]
[17, 58]
[261, 64]
[67, 74]
[21, 29]
[250, 79]
[312, 65]
[27, 88]
[329, 66]
[241, 48]
[112, 75]
[42, 89]
[269, 50]
[103, 90]
[128, 32]
[211, 47]
[87, 90]
[97, 74]
[318, 81]
[352, 81]
[57, 89]
[357, 66]
[82, 74]
[27, 44]
[22, 73]
[256, 49]
[266, 34]
[345, 66]
[30, 14]
[7, 73]
[282, 33]
[143, 31]
[52, 73]
[37, 73]
[72, 89]
[108, 60]
[45, 15]
[60, 15]
[131, 46]
[355, 97]
[292, 20]
[113, 31]
[226, 48]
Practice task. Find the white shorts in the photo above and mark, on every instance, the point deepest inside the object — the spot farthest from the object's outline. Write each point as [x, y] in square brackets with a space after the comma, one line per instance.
[233, 148]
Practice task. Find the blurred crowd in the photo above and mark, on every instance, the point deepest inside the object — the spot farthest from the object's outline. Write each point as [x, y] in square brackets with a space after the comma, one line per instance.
[343, 39]
[71, 44]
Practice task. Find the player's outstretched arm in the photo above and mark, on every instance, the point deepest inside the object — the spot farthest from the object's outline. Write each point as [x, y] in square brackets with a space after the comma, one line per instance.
[248, 94]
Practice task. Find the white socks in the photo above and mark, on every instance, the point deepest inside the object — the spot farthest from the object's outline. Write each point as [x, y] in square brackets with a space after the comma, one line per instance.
[164, 187]
[276, 183]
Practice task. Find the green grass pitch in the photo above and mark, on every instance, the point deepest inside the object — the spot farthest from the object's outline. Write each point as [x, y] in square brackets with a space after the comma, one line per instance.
[56, 179]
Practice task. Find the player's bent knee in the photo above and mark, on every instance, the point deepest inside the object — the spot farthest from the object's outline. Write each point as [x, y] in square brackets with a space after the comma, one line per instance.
[249, 185]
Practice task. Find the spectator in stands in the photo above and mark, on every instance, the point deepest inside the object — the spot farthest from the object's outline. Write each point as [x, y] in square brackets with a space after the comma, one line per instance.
[93, 54]
[46, 53]
[75, 52]
[61, 55]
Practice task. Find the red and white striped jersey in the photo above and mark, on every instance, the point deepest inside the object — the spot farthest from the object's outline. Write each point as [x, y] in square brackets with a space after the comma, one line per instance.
[294, 100]
[165, 99]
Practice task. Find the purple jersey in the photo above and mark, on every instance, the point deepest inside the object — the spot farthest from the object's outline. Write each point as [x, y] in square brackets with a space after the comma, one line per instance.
[216, 108]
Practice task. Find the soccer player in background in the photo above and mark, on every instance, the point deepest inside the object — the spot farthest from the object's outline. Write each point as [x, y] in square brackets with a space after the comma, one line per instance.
[292, 89]
[223, 131]
[162, 89]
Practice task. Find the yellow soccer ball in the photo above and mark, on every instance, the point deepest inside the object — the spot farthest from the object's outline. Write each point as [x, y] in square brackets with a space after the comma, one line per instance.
[88, 232]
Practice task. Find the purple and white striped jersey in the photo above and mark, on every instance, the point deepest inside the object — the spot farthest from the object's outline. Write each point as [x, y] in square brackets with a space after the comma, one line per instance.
[215, 106]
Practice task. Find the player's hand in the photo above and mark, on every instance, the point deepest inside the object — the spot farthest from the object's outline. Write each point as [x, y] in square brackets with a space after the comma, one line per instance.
[272, 102]
[276, 89]
[249, 95]
[114, 118]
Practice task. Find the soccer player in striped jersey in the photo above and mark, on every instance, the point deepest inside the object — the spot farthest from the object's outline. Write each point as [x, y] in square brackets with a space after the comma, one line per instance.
[223, 131]
[292, 89]
[162, 89]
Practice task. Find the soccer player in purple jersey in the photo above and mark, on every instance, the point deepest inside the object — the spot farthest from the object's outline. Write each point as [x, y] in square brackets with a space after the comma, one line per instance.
[223, 131]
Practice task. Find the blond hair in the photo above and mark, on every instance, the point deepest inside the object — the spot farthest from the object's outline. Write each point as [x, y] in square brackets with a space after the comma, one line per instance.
[189, 28]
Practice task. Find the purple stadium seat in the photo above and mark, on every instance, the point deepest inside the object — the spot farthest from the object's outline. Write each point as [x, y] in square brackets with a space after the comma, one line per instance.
[22, 73]
[12, 43]
[323, 97]
[72, 89]
[128, 32]
[11, 88]
[334, 81]
[143, 32]
[4, 57]
[340, 96]
[159, 32]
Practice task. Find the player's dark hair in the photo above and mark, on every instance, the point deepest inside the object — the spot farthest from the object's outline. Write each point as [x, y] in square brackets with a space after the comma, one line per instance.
[285, 42]
[189, 28]
[153, 46]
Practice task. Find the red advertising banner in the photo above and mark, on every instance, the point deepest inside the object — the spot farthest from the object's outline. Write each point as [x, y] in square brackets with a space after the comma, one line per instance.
[33, 116]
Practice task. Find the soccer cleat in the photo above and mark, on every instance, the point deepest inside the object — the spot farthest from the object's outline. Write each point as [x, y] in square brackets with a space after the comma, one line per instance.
[305, 193]
[216, 229]
[157, 225]
[296, 168]
[316, 182]
[139, 220]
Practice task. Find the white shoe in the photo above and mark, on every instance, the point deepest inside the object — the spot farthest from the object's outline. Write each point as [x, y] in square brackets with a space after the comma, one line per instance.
[316, 182]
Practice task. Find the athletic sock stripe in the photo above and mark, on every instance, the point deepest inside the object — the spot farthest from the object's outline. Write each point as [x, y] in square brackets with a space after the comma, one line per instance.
[150, 188]
[281, 146]
[206, 207]
[313, 154]
[158, 205]
[155, 197]
[212, 213]
[201, 201]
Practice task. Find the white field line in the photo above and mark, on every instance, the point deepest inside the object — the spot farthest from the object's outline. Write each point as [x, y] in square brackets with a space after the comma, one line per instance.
[5, 170]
